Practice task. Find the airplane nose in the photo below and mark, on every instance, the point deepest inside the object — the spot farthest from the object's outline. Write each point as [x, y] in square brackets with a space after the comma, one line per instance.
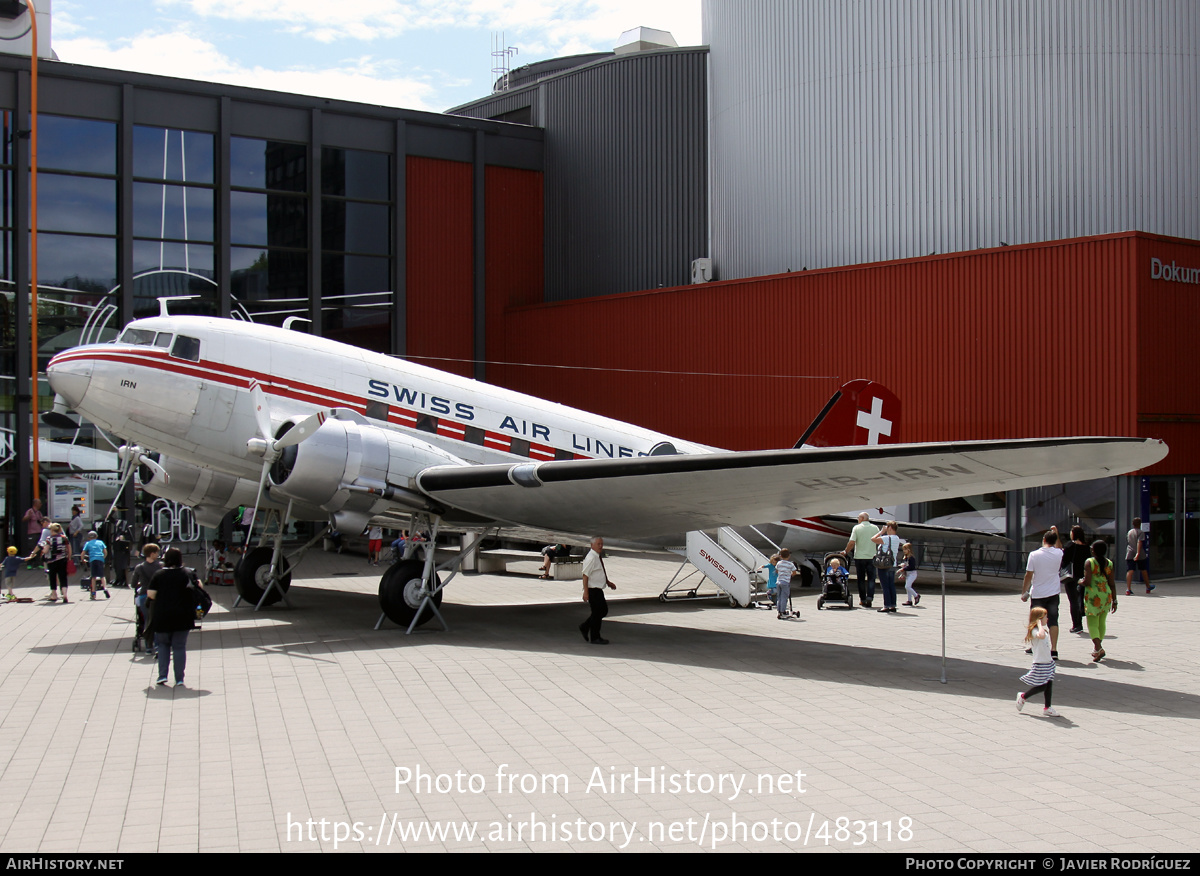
[70, 378]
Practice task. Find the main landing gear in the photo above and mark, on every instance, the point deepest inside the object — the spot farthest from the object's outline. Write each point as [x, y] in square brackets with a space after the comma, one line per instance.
[410, 592]
[402, 594]
[257, 582]
[264, 574]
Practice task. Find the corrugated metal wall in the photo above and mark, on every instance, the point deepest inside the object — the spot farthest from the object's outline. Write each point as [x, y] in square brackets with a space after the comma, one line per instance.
[626, 170]
[844, 133]
[1015, 342]
[440, 277]
[500, 103]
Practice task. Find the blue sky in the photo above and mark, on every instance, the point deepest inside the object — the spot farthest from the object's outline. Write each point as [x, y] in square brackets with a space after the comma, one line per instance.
[418, 54]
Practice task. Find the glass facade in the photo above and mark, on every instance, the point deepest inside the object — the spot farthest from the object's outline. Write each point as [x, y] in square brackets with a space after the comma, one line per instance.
[174, 222]
[174, 218]
[268, 228]
[356, 243]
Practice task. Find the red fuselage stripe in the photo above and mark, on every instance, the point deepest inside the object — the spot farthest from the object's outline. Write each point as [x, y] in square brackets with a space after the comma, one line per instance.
[241, 378]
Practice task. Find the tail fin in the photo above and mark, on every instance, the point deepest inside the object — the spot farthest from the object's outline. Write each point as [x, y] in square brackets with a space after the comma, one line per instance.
[861, 412]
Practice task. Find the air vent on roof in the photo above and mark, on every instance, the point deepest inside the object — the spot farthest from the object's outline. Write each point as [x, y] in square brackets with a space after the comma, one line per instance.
[644, 39]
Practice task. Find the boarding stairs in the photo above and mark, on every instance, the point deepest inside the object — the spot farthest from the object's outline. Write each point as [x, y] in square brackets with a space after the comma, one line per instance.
[727, 560]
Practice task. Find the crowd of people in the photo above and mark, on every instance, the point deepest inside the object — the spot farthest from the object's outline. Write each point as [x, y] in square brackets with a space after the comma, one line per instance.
[168, 596]
[165, 591]
[1081, 571]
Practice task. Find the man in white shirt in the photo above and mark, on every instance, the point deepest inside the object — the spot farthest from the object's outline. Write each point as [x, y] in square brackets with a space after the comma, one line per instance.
[595, 579]
[1042, 583]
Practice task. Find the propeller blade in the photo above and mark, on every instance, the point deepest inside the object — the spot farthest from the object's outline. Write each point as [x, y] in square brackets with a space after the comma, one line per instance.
[262, 415]
[304, 429]
[128, 456]
[262, 481]
[161, 472]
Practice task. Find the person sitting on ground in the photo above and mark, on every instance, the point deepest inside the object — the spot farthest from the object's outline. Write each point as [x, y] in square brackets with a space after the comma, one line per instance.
[217, 563]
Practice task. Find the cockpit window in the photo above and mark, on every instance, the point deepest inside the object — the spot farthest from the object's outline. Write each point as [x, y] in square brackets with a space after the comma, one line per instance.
[140, 337]
[186, 348]
[163, 339]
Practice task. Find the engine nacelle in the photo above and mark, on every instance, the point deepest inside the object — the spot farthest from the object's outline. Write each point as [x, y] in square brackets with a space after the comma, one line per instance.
[349, 466]
[192, 485]
[210, 494]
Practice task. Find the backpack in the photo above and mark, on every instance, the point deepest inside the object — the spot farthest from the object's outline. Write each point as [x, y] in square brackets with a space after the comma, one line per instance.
[884, 558]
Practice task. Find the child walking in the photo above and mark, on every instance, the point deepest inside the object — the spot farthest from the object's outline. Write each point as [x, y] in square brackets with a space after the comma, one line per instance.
[11, 564]
[909, 568]
[784, 569]
[1041, 675]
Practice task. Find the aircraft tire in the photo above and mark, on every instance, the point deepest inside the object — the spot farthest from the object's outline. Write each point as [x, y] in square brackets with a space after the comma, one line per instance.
[250, 575]
[398, 589]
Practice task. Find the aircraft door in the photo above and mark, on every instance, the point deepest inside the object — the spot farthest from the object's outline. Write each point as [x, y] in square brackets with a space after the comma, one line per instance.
[214, 406]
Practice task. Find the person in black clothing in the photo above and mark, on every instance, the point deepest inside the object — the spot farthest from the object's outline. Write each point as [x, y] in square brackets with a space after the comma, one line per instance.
[173, 614]
[143, 574]
[1075, 556]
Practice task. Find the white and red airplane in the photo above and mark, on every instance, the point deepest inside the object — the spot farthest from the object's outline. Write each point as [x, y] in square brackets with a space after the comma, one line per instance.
[228, 413]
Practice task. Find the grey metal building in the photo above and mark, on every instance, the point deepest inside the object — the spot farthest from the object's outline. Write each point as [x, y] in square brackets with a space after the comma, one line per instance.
[626, 165]
[843, 133]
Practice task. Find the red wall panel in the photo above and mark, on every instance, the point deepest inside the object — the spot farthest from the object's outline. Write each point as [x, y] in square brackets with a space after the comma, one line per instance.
[513, 255]
[1004, 343]
[440, 276]
[1167, 326]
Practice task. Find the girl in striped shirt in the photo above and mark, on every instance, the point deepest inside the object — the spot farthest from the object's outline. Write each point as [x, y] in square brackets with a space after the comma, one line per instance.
[1041, 675]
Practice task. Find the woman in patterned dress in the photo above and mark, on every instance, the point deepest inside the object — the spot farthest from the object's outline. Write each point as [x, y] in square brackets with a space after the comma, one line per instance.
[1099, 596]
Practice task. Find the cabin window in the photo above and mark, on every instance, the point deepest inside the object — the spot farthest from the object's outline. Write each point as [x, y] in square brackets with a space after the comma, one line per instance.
[186, 348]
[163, 340]
[137, 337]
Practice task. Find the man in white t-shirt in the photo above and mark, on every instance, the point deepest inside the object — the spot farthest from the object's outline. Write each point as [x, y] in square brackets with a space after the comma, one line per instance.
[595, 579]
[1042, 583]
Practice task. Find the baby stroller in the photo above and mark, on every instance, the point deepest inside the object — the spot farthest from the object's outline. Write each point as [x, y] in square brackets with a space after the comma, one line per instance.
[141, 623]
[835, 586]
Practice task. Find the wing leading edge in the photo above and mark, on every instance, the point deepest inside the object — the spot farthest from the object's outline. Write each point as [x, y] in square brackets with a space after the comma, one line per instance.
[651, 496]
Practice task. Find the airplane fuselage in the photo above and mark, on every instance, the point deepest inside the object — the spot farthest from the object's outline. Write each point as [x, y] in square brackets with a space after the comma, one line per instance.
[182, 386]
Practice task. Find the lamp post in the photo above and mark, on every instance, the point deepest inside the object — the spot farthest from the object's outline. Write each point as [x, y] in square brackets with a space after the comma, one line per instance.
[33, 260]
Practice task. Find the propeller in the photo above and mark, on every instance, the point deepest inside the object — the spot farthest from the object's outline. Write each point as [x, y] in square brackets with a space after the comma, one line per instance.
[269, 446]
[131, 456]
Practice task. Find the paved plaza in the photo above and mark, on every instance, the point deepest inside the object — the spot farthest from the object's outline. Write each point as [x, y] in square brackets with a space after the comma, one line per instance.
[700, 726]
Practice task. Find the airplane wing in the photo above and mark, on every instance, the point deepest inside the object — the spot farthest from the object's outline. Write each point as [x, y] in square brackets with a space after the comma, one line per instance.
[924, 531]
[649, 496]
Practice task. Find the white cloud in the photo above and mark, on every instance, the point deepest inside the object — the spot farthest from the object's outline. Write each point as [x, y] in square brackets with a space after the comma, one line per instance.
[591, 24]
[181, 54]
